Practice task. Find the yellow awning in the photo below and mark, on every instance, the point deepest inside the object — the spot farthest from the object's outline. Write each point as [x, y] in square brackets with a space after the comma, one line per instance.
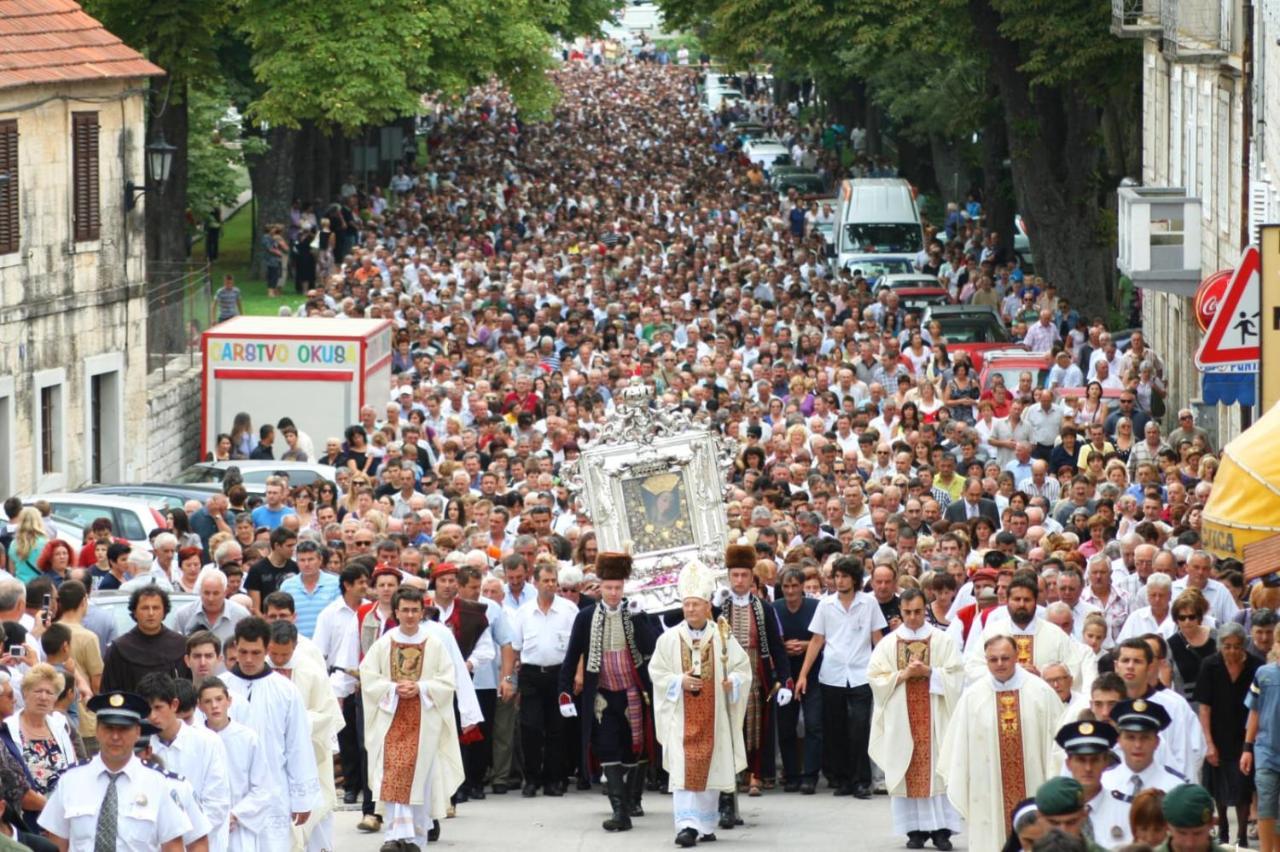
[1244, 505]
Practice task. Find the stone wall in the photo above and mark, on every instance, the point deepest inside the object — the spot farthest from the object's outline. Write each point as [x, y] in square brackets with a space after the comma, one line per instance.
[173, 422]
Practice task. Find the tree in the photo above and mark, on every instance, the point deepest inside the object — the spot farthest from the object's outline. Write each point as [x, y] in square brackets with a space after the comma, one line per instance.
[1060, 85]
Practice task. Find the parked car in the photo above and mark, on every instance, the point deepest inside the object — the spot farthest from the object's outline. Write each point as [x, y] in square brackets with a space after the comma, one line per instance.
[132, 520]
[803, 181]
[906, 280]
[255, 473]
[116, 604]
[1011, 363]
[917, 300]
[158, 495]
[745, 131]
[766, 151]
[873, 267]
[64, 529]
[972, 329]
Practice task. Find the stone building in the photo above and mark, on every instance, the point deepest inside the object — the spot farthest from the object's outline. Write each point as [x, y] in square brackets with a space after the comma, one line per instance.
[73, 369]
[1205, 94]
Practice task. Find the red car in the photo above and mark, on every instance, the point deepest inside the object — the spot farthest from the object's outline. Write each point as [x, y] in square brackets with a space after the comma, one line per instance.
[972, 329]
[1012, 363]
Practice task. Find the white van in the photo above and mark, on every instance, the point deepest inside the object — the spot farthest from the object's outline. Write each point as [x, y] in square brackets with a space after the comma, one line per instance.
[876, 221]
[714, 99]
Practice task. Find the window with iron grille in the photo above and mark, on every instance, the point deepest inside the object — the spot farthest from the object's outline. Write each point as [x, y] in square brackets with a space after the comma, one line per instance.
[9, 229]
[86, 205]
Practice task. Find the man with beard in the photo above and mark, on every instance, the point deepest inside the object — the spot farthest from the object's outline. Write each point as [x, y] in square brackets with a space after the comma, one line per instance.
[755, 626]
[998, 746]
[916, 676]
[149, 647]
[1038, 643]
[613, 644]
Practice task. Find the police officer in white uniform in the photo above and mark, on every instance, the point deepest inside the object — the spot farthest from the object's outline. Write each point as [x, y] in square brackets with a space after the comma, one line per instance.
[114, 801]
[1089, 754]
[1140, 722]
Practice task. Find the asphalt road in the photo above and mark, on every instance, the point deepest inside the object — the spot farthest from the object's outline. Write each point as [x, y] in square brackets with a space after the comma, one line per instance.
[774, 821]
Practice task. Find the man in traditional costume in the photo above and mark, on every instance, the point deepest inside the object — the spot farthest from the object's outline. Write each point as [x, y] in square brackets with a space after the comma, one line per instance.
[407, 686]
[270, 705]
[1038, 642]
[614, 646]
[755, 626]
[325, 713]
[998, 746]
[700, 677]
[916, 677]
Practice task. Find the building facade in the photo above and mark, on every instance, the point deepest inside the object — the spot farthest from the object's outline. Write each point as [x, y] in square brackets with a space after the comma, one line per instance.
[1210, 67]
[73, 370]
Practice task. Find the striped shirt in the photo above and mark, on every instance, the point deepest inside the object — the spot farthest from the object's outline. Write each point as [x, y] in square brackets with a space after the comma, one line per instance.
[228, 303]
[308, 605]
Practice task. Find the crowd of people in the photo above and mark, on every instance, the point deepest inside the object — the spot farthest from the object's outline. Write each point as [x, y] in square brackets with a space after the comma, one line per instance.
[991, 604]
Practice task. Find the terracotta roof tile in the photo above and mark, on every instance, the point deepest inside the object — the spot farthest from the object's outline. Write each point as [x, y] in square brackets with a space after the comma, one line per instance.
[55, 41]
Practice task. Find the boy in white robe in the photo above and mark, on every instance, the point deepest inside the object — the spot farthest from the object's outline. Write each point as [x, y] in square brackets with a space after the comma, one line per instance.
[251, 798]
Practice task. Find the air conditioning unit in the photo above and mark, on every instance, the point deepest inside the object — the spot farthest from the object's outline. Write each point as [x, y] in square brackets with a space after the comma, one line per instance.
[1197, 31]
[1135, 18]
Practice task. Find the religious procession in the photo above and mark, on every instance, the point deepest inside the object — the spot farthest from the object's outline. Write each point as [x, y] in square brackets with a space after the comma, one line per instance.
[668, 513]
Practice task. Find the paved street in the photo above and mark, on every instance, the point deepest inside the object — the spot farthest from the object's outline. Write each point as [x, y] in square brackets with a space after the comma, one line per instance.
[774, 821]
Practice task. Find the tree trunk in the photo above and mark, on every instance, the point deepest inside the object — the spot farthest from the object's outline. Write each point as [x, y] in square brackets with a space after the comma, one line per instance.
[1053, 156]
[166, 211]
[271, 174]
[950, 180]
[997, 185]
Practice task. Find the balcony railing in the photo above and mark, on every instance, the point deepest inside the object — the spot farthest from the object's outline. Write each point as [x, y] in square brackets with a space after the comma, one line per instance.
[1135, 18]
[1197, 30]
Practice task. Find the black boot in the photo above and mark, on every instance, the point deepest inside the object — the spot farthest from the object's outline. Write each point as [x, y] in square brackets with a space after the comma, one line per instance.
[942, 839]
[917, 839]
[728, 812]
[687, 837]
[635, 789]
[615, 781]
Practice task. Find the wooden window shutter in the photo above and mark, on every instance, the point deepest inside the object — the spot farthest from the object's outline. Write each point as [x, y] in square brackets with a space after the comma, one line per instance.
[9, 218]
[86, 206]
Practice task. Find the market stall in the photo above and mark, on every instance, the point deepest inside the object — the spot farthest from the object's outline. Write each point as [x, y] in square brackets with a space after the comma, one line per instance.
[319, 372]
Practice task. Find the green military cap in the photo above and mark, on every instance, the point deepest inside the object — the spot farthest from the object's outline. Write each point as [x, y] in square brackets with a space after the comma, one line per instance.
[1188, 806]
[1060, 796]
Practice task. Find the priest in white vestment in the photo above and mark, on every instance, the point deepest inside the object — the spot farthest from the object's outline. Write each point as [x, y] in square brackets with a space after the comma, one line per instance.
[407, 686]
[916, 677]
[998, 747]
[1037, 641]
[270, 705]
[246, 768]
[325, 713]
[700, 680]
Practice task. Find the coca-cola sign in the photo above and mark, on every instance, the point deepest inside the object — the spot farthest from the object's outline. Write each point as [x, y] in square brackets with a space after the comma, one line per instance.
[1209, 296]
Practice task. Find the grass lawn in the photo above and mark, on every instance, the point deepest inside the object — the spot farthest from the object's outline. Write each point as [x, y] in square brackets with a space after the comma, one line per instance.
[233, 259]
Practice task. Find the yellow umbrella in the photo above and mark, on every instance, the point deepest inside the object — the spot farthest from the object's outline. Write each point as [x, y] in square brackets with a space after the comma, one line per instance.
[1244, 505]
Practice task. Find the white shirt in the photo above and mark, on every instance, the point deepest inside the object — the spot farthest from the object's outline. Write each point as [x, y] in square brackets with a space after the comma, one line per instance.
[149, 815]
[200, 757]
[1221, 605]
[846, 650]
[338, 638]
[542, 638]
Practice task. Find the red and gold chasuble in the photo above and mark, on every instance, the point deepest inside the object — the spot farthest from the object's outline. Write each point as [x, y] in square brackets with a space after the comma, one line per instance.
[699, 713]
[919, 776]
[1013, 777]
[401, 756]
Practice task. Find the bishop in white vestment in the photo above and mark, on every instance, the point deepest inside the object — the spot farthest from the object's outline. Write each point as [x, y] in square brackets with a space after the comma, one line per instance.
[700, 679]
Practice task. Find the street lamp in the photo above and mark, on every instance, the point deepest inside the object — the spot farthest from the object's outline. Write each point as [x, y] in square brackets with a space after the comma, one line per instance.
[159, 158]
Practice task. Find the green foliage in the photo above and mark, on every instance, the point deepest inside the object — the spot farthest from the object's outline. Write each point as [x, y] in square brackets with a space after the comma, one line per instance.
[177, 35]
[215, 151]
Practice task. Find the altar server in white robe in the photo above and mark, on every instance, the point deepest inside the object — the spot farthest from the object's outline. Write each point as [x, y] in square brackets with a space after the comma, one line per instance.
[272, 706]
[325, 714]
[916, 677]
[246, 768]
